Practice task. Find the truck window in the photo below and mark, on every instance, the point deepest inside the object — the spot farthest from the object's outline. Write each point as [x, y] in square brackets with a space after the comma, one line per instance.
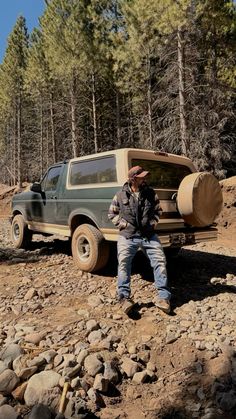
[163, 175]
[50, 181]
[101, 170]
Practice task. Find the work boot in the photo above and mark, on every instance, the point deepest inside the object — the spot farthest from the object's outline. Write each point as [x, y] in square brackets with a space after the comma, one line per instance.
[163, 305]
[126, 303]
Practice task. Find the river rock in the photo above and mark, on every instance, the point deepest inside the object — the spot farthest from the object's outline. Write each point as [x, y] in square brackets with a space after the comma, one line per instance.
[110, 372]
[8, 412]
[93, 365]
[10, 353]
[8, 381]
[38, 384]
[130, 367]
[92, 325]
[40, 411]
[101, 383]
[35, 338]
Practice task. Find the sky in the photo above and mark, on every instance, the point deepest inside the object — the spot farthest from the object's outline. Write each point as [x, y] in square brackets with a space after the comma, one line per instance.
[11, 10]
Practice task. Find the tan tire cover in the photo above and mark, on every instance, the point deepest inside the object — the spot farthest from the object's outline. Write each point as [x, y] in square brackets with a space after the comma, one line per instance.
[199, 199]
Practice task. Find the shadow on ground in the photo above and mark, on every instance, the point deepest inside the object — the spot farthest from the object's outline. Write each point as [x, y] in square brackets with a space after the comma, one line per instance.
[189, 273]
[208, 393]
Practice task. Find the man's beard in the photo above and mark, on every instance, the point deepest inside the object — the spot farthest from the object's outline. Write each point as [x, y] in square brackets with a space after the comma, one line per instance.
[142, 186]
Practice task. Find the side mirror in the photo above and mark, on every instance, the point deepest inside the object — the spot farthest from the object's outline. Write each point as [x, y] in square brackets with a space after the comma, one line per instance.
[36, 187]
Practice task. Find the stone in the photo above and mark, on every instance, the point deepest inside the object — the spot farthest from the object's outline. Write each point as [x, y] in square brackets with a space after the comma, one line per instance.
[81, 357]
[3, 400]
[121, 349]
[93, 365]
[40, 411]
[100, 383]
[26, 373]
[8, 381]
[35, 338]
[38, 384]
[95, 300]
[151, 366]
[140, 377]
[95, 336]
[92, 325]
[8, 412]
[93, 395]
[10, 353]
[71, 372]
[58, 360]
[75, 382]
[110, 372]
[3, 366]
[129, 367]
[132, 349]
[171, 337]
[30, 294]
[19, 392]
[48, 355]
[37, 361]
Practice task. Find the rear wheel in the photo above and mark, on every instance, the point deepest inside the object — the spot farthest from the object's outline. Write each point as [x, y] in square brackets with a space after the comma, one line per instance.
[20, 234]
[89, 249]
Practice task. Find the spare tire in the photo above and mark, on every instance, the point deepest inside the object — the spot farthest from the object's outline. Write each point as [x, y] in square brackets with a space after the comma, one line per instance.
[199, 199]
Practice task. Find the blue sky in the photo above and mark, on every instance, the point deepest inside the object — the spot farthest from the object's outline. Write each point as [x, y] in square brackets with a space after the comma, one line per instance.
[10, 10]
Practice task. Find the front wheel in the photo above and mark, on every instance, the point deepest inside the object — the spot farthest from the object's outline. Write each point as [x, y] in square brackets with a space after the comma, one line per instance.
[89, 249]
[20, 234]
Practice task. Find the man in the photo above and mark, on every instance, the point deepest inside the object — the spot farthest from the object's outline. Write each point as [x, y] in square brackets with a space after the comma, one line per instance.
[135, 210]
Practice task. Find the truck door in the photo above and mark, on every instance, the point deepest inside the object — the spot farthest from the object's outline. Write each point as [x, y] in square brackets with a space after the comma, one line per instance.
[46, 210]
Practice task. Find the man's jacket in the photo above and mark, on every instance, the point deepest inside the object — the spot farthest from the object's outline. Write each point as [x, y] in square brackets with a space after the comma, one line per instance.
[135, 216]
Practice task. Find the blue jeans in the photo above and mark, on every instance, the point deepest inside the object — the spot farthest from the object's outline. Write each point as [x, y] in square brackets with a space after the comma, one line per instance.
[127, 248]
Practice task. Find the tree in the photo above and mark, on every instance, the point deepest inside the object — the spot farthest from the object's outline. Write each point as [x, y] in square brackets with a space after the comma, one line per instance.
[40, 86]
[13, 69]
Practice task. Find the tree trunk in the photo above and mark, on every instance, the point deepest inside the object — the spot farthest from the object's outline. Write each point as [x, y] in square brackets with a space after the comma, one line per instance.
[47, 145]
[73, 116]
[41, 135]
[95, 128]
[118, 122]
[52, 128]
[19, 151]
[149, 101]
[182, 104]
[14, 171]
[131, 128]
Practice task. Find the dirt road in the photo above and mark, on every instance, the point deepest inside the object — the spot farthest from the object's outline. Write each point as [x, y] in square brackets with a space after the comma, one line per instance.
[183, 365]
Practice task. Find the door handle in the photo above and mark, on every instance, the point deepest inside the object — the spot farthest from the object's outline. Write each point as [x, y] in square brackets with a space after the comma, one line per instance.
[53, 197]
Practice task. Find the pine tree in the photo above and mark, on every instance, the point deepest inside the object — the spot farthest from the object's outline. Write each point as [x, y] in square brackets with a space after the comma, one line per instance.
[13, 69]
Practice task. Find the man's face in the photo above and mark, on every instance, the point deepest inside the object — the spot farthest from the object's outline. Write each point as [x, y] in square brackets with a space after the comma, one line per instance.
[141, 182]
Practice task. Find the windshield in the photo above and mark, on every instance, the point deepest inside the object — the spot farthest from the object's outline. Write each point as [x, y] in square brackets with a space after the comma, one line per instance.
[163, 175]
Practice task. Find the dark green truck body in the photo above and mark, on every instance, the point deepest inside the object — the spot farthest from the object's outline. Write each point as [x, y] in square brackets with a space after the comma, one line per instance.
[75, 195]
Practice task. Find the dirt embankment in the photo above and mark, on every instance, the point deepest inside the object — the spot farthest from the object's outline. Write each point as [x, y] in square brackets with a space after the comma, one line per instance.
[227, 218]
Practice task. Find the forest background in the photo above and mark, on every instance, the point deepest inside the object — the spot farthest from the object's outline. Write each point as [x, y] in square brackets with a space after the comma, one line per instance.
[103, 74]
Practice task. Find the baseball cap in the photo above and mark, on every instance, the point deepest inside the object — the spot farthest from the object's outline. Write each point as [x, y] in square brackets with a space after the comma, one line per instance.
[137, 171]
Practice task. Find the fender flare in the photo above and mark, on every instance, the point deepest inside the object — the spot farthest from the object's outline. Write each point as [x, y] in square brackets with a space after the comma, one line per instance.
[19, 210]
[83, 212]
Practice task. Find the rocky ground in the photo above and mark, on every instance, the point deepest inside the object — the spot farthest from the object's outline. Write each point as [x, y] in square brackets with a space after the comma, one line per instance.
[62, 332]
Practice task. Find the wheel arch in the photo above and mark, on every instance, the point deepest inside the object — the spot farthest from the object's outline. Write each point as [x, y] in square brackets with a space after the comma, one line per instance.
[19, 211]
[78, 218]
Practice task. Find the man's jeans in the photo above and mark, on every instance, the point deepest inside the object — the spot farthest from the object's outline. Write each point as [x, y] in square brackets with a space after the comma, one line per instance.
[127, 249]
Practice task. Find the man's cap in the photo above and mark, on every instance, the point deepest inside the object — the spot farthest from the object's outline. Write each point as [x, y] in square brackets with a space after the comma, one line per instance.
[137, 171]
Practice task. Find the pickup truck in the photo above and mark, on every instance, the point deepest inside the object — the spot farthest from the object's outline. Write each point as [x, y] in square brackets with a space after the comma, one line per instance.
[73, 198]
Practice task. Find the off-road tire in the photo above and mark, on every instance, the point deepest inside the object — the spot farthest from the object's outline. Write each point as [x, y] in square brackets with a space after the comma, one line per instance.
[20, 234]
[89, 249]
[199, 199]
